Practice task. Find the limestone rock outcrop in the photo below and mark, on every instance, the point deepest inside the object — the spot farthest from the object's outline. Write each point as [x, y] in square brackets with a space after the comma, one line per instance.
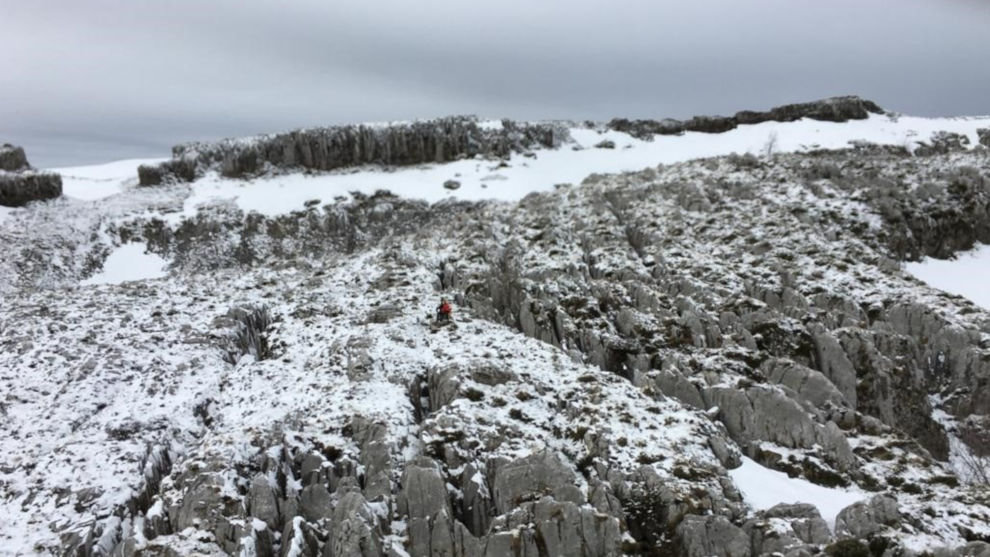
[20, 184]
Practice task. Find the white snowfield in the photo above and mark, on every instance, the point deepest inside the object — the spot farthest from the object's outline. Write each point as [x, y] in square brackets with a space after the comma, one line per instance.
[763, 488]
[89, 183]
[966, 275]
[127, 263]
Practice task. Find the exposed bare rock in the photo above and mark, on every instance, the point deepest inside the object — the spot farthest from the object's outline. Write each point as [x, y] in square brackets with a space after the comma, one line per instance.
[835, 109]
[941, 143]
[440, 140]
[701, 536]
[863, 519]
[20, 188]
[530, 477]
[263, 502]
[12, 158]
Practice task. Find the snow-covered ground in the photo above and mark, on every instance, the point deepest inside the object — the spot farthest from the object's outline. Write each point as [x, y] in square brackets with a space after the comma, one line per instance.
[5, 212]
[966, 275]
[127, 263]
[101, 180]
[763, 488]
[140, 389]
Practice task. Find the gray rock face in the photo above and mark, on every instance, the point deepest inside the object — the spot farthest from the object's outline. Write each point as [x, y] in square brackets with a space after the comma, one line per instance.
[832, 362]
[354, 531]
[315, 503]
[263, 502]
[759, 414]
[862, 519]
[942, 142]
[805, 520]
[423, 499]
[17, 189]
[555, 529]
[984, 135]
[12, 158]
[531, 477]
[204, 506]
[700, 536]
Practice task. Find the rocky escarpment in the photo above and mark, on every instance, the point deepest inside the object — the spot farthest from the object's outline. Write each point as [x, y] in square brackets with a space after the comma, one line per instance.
[835, 109]
[20, 184]
[441, 140]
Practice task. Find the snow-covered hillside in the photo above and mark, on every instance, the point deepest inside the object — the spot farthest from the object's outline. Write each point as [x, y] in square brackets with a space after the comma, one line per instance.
[698, 344]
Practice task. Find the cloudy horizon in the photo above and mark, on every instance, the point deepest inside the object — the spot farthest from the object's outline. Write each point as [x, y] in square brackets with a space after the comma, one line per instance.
[109, 79]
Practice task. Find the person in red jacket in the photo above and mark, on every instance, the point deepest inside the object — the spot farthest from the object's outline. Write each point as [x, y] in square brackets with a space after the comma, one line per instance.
[443, 311]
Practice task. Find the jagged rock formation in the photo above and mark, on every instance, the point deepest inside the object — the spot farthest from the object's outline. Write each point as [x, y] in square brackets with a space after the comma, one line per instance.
[441, 140]
[621, 347]
[12, 158]
[19, 184]
[835, 109]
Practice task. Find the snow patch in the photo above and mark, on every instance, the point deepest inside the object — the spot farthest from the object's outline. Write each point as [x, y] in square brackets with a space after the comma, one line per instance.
[102, 180]
[763, 488]
[965, 275]
[128, 263]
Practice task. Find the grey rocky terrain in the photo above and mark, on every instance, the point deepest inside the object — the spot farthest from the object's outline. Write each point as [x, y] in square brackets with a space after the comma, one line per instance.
[621, 346]
[19, 183]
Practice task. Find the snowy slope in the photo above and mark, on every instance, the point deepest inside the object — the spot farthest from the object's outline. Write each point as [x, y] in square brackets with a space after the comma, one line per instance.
[103, 180]
[614, 322]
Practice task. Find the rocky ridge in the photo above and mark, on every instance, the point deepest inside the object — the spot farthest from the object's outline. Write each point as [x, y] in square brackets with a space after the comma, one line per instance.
[443, 140]
[19, 183]
[399, 144]
[622, 345]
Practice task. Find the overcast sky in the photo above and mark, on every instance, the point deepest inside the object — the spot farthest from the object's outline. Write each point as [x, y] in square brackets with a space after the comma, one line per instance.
[99, 80]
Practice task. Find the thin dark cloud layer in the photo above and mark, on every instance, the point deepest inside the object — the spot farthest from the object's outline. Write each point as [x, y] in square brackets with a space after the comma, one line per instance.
[107, 79]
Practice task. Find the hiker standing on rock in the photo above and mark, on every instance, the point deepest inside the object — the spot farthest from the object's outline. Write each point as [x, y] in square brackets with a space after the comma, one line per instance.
[443, 311]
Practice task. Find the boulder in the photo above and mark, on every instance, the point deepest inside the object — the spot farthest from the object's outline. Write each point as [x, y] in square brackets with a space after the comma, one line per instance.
[806, 521]
[12, 158]
[975, 549]
[531, 477]
[707, 536]
[315, 503]
[862, 519]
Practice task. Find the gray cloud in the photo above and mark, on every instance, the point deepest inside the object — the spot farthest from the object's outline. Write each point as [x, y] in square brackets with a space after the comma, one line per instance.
[105, 79]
